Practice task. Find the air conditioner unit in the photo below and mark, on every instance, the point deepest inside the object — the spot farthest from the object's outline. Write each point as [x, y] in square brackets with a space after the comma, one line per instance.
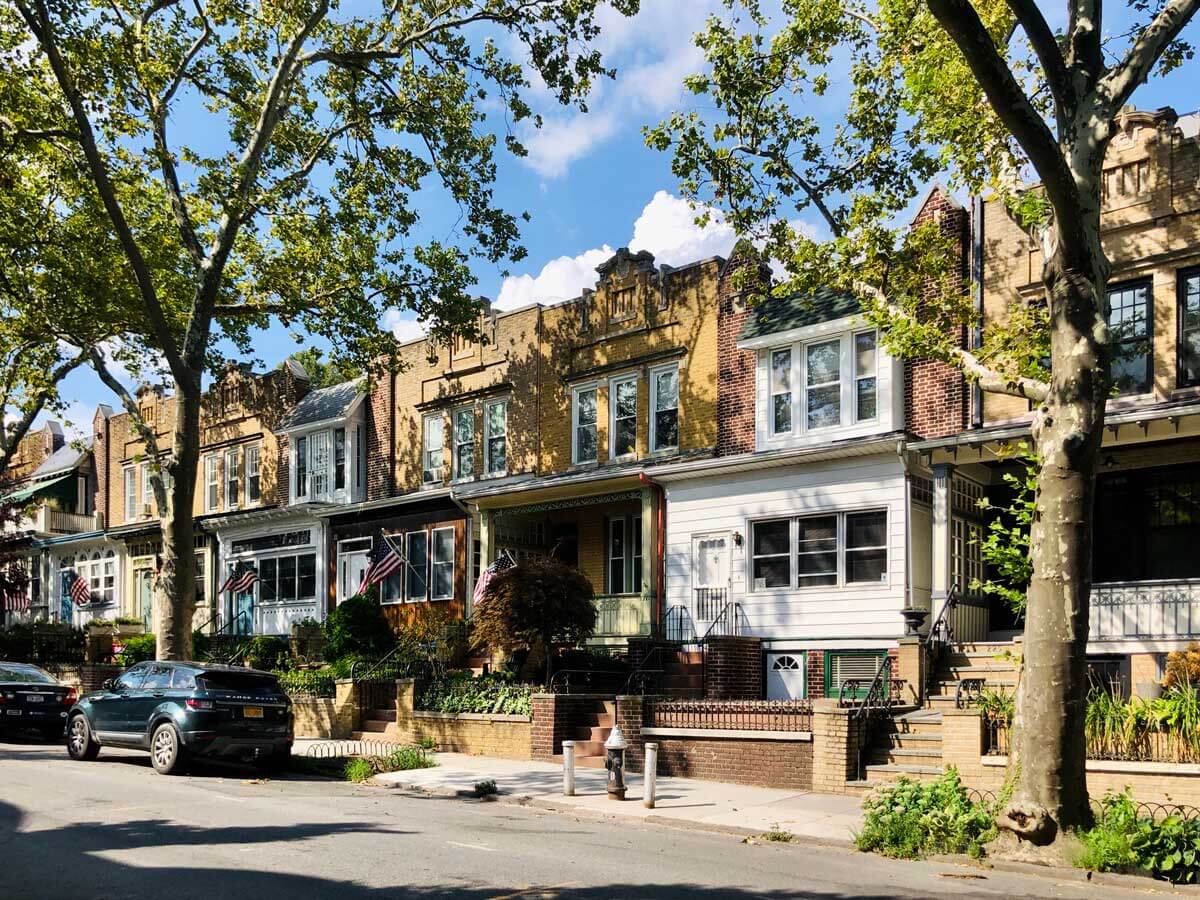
[429, 477]
[147, 510]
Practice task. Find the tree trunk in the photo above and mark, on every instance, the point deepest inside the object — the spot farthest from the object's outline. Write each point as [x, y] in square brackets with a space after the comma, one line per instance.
[1050, 799]
[175, 586]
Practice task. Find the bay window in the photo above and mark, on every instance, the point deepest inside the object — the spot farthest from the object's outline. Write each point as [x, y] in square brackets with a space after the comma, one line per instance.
[464, 443]
[623, 424]
[495, 450]
[583, 425]
[319, 464]
[781, 392]
[822, 384]
[815, 551]
[664, 409]
[301, 467]
[339, 459]
[865, 384]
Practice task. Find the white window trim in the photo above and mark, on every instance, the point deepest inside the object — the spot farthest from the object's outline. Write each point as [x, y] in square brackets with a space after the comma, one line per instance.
[654, 373]
[455, 445]
[857, 376]
[575, 392]
[257, 454]
[129, 480]
[236, 455]
[147, 492]
[409, 567]
[432, 562]
[772, 393]
[426, 450]
[805, 428]
[793, 585]
[212, 476]
[487, 435]
[612, 415]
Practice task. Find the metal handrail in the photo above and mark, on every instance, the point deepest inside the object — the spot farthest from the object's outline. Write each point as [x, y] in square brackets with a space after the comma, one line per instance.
[941, 632]
[966, 690]
[738, 615]
[374, 666]
[560, 681]
[878, 698]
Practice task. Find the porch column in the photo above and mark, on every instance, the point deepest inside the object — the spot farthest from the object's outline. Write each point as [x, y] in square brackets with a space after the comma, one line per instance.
[942, 557]
[649, 547]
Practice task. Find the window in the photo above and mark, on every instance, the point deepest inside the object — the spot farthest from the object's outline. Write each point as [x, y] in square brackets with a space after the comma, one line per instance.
[253, 474]
[318, 464]
[1189, 327]
[1129, 331]
[616, 556]
[431, 459]
[583, 415]
[268, 580]
[339, 459]
[823, 389]
[108, 583]
[621, 305]
[147, 490]
[623, 426]
[495, 451]
[360, 456]
[664, 405]
[233, 478]
[306, 576]
[211, 486]
[159, 679]
[442, 564]
[825, 550]
[132, 680]
[781, 392]
[287, 579]
[464, 443]
[131, 511]
[635, 564]
[865, 386]
[770, 565]
[417, 587]
[201, 583]
[301, 467]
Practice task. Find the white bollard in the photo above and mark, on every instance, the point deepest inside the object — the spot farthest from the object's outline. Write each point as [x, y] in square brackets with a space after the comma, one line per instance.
[649, 775]
[568, 768]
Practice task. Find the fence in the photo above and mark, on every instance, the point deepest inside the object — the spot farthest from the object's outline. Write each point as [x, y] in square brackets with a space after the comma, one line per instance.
[1144, 609]
[733, 715]
[1145, 746]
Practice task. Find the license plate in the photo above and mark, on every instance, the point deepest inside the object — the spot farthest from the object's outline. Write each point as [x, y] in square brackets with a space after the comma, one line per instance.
[13, 712]
[35, 698]
[252, 712]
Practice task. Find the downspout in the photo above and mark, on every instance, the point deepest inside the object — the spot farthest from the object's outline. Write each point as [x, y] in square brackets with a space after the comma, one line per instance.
[659, 544]
[977, 292]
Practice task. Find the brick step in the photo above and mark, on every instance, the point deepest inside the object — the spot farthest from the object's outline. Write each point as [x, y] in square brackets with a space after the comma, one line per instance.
[592, 733]
[912, 741]
[982, 670]
[384, 715]
[887, 756]
[917, 729]
[375, 726]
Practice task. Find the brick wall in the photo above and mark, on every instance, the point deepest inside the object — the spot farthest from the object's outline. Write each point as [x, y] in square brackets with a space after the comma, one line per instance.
[380, 415]
[936, 396]
[92, 678]
[733, 668]
[735, 368]
[555, 718]
[314, 717]
[816, 674]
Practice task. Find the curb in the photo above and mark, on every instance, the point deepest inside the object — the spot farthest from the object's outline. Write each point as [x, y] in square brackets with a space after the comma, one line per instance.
[1131, 882]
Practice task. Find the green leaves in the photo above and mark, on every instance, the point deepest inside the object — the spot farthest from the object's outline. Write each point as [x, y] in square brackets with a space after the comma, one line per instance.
[1125, 840]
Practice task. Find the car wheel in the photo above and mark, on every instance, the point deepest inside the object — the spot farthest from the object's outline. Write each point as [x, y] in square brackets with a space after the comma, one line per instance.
[166, 750]
[80, 743]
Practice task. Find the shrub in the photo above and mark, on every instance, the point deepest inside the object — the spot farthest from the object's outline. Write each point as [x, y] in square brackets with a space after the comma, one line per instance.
[486, 788]
[137, 648]
[359, 770]
[1183, 667]
[911, 820]
[997, 705]
[308, 682]
[124, 620]
[405, 758]
[1124, 840]
[200, 644]
[462, 693]
[358, 626]
[269, 653]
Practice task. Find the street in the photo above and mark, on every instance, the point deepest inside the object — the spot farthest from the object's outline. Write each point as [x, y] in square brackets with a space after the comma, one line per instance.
[113, 829]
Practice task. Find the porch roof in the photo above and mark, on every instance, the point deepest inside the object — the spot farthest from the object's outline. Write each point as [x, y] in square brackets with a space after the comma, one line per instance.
[269, 514]
[599, 480]
[366, 506]
[861, 446]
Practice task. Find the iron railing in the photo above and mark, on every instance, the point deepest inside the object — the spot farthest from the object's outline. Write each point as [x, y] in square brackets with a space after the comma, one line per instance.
[710, 602]
[731, 622]
[878, 700]
[738, 715]
[1144, 609]
[588, 681]
[941, 630]
[623, 615]
[678, 625]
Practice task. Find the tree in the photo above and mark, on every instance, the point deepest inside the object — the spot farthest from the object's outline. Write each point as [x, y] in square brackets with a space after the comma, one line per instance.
[987, 91]
[324, 372]
[536, 602]
[323, 132]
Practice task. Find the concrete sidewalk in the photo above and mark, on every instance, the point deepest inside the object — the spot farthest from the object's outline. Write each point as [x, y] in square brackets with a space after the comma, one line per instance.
[828, 818]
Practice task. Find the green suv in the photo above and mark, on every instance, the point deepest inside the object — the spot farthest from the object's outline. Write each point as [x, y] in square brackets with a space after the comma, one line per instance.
[183, 710]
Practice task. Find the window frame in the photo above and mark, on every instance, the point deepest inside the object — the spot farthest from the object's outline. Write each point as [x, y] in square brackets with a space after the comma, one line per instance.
[846, 337]
[614, 384]
[793, 551]
[147, 492]
[340, 458]
[594, 388]
[434, 562]
[253, 453]
[300, 477]
[790, 350]
[1133, 284]
[858, 376]
[129, 474]
[807, 388]
[488, 437]
[457, 446]
[232, 477]
[790, 553]
[320, 465]
[409, 568]
[429, 475]
[212, 483]
[1182, 276]
[655, 374]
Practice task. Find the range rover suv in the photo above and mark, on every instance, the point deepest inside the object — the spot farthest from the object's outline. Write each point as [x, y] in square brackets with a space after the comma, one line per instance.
[183, 710]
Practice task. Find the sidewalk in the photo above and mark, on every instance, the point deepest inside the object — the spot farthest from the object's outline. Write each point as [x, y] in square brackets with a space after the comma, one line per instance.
[828, 818]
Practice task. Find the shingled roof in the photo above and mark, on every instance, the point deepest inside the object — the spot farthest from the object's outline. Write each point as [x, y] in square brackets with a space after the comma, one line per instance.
[322, 405]
[778, 314]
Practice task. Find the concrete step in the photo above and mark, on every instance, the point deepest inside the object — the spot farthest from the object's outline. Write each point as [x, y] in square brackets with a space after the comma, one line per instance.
[891, 771]
[384, 715]
[927, 757]
[375, 726]
[912, 741]
[588, 748]
[983, 670]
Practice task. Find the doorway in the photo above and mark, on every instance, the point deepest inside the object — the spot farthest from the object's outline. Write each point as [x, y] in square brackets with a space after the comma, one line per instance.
[786, 676]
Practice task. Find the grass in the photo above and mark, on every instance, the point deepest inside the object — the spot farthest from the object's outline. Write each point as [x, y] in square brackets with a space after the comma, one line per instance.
[359, 770]
[777, 835]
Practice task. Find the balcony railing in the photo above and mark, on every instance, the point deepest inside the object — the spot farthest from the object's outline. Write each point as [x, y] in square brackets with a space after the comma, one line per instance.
[53, 521]
[622, 615]
[1145, 609]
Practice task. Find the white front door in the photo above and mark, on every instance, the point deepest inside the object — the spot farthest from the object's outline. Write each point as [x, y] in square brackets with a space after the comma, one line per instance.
[785, 676]
[352, 567]
[710, 576]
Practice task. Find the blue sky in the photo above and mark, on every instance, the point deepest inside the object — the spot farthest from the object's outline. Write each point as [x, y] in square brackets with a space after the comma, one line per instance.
[592, 186]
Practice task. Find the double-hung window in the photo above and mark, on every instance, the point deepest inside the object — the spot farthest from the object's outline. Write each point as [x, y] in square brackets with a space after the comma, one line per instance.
[495, 450]
[287, 579]
[664, 406]
[866, 385]
[822, 384]
[131, 510]
[623, 555]
[464, 443]
[301, 467]
[319, 464]
[431, 455]
[825, 383]
[781, 391]
[233, 478]
[253, 474]
[147, 490]
[1129, 329]
[623, 425]
[1189, 327]
[212, 488]
[339, 459]
[583, 425]
[823, 550]
[441, 564]
[417, 587]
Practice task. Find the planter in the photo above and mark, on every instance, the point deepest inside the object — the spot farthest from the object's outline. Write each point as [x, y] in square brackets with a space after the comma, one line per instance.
[124, 631]
[913, 620]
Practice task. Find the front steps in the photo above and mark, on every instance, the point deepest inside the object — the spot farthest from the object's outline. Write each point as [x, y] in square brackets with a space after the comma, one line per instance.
[377, 725]
[590, 736]
[683, 675]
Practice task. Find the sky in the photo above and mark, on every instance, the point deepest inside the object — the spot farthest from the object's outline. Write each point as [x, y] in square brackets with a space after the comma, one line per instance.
[590, 184]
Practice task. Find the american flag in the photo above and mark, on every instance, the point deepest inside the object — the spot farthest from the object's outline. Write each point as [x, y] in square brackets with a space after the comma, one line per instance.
[15, 598]
[240, 580]
[385, 561]
[503, 563]
[80, 590]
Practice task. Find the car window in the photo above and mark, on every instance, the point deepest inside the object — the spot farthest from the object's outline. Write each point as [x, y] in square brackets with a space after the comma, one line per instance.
[132, 680]
[183, 680]
[159, 679]
[26, 674]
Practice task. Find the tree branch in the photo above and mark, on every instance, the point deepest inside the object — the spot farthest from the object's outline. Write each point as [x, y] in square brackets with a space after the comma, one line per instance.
[1049, 54]
[1118, 85]
[12, 433]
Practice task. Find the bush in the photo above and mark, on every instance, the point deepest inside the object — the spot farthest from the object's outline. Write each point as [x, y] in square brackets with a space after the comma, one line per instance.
[137, 648]
[911, 820]
[359, 770]
[1183, 667]
[269, 653]
[462, 693]
[43, 643]
[358, 626]
[1122, 840]
[401, 759]
[200, 644]
[308, 682]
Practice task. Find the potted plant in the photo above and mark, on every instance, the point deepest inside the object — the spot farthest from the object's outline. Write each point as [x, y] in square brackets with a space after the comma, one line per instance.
[126, 626]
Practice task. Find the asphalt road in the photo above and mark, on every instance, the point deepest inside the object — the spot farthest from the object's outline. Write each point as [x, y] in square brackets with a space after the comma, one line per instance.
[113, 829]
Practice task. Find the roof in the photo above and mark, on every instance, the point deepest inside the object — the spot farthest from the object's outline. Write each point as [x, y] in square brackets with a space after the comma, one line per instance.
[775, 314]
[62, 460]
[322, 405]
[33, 488]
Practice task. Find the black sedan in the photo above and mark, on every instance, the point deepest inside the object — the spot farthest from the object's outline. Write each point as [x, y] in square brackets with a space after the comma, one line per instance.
[183, 710]
[31, 699]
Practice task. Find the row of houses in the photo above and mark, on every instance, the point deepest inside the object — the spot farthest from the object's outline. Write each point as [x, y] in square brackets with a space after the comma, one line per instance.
[711, 467]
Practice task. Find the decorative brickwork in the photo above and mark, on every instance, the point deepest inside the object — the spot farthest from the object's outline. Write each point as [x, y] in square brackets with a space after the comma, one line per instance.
[733, 668]
[936, 396]
[735, 368]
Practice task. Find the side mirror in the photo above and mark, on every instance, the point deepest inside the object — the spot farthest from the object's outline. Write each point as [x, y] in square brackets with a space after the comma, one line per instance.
[109, 684]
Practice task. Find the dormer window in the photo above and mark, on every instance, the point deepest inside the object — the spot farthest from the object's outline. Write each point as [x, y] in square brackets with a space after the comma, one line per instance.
[326, 465]
[339, 459]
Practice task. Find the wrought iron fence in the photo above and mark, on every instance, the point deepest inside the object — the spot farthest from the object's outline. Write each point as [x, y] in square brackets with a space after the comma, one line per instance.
[740, 715]
[1144, 609]
[1147, 746]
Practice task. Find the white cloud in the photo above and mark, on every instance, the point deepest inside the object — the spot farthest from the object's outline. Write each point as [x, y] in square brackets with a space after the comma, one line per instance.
[404, 328]
[560, 279]
[559, 142]
[77, 420]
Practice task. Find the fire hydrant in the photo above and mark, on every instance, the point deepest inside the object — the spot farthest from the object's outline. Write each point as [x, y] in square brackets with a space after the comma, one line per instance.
[615, 763]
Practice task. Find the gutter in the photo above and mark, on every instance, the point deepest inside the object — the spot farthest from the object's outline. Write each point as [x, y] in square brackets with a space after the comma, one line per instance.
[660, 545]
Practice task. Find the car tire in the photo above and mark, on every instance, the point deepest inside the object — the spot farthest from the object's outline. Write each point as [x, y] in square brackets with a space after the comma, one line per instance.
[81, 744]
[167, 753]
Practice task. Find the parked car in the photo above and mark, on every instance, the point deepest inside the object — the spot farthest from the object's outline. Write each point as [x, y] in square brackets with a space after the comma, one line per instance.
[183, 710]
[31, 699]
